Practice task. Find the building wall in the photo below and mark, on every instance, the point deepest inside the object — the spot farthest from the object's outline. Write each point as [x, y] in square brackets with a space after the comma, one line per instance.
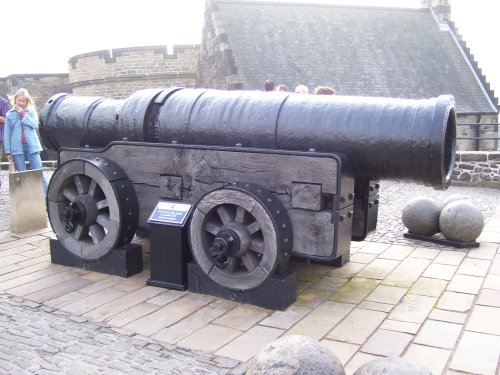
[40, 86]
[217, 68]
[120, 72]
[477, 168]
[484, 137]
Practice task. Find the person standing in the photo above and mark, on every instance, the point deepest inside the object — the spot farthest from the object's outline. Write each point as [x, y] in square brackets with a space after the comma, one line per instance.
[324, 90]
[269, 85]
[301, 89]
[4, 107]
[20, 136]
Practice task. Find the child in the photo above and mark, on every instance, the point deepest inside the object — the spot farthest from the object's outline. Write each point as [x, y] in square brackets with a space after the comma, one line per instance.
[21, 139]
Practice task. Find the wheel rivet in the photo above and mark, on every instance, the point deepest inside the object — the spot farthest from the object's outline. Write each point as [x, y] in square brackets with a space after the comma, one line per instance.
[285, 240]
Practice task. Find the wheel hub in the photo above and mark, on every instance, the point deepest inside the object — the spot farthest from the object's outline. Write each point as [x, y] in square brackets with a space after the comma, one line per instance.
[74, 214]
[226, 243]
[83, 211]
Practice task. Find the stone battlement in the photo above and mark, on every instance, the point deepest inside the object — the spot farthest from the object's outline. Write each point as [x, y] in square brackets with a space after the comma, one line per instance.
[119, 72]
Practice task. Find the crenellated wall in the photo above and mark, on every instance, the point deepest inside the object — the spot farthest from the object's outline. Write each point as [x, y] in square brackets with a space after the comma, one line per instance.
[119, 72]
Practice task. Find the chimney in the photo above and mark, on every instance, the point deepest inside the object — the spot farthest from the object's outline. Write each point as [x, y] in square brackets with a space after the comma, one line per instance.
[441, 8]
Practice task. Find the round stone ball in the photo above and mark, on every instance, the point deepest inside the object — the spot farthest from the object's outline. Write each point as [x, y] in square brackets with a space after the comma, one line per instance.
[461, 221]
[452, 198]
[421, 216]
[391, 366]
[295, 354]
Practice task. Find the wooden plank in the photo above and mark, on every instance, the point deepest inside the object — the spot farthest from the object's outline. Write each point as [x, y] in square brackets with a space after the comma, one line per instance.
[316, 234]
[307, 196]
[305, 184]
[144, 164]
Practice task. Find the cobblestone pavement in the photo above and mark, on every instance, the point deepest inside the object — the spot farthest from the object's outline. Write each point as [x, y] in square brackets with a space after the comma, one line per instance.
[37, 339]
[394, 196]
[432, 304]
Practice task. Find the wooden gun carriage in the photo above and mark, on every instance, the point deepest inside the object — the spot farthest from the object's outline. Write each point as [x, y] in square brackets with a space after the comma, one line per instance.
[270, 175]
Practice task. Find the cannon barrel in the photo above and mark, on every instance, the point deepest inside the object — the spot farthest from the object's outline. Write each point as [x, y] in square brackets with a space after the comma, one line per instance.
[382, 137]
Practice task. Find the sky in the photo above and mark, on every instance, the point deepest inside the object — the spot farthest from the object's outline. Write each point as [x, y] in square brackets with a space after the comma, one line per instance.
[47, 33]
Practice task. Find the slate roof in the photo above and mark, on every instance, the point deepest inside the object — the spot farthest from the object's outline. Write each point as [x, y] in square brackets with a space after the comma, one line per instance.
[368, 51]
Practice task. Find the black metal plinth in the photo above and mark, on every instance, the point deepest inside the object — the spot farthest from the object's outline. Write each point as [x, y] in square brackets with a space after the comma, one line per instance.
[441, 241]
[169, 254]
[124, 261]
[277, 292]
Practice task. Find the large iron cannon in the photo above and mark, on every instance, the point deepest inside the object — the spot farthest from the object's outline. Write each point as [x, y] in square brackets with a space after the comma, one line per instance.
[272, 175]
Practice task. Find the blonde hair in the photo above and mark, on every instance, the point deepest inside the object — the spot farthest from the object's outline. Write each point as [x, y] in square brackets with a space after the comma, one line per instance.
[301, 89]
[22, 93]
[324, 90]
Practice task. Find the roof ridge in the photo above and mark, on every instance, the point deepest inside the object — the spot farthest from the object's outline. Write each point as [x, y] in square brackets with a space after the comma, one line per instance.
[326, 5]
[474, 64]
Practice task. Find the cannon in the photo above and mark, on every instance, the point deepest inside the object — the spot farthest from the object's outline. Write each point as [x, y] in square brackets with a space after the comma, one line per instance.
[270, 176]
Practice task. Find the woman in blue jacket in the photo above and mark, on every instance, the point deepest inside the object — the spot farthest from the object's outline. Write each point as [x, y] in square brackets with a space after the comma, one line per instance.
[21, 141]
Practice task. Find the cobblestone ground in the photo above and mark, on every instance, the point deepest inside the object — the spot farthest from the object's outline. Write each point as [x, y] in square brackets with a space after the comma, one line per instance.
[36, 339]
[395, 195]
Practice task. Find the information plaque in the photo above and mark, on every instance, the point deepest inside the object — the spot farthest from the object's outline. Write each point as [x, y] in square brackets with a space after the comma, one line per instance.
[167, 212]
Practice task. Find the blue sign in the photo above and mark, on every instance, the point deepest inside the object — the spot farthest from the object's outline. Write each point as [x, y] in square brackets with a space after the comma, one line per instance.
[170, 213]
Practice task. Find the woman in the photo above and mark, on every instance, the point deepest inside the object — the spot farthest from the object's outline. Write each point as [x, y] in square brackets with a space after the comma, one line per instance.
[20, 137]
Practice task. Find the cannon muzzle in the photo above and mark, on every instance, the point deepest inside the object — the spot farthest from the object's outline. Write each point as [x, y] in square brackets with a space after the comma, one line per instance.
[381, 137]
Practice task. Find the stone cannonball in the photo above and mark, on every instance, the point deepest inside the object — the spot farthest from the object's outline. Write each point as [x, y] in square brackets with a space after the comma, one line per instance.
[452, 198]
[421, 216]
[391, 366]
[461, 221]
[295, 354]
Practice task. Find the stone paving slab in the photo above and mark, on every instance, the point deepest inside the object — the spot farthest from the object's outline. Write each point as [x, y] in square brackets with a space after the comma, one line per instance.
[431, 303]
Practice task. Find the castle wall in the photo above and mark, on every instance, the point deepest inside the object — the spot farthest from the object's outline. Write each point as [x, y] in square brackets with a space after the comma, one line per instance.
[217, 68]
[120, 72]
[40, 86]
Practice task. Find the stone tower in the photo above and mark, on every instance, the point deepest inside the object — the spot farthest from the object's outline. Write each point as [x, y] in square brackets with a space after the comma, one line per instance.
[441, 8]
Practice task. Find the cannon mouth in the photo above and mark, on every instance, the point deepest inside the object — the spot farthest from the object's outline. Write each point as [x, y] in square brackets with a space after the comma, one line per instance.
[442, 143]
[449, 147]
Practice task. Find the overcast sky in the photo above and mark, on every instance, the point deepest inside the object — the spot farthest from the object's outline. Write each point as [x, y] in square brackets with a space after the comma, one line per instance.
[45, 34]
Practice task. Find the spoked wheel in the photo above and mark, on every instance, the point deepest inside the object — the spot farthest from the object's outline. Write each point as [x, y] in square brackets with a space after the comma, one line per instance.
[92, 207]
[239, 235]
